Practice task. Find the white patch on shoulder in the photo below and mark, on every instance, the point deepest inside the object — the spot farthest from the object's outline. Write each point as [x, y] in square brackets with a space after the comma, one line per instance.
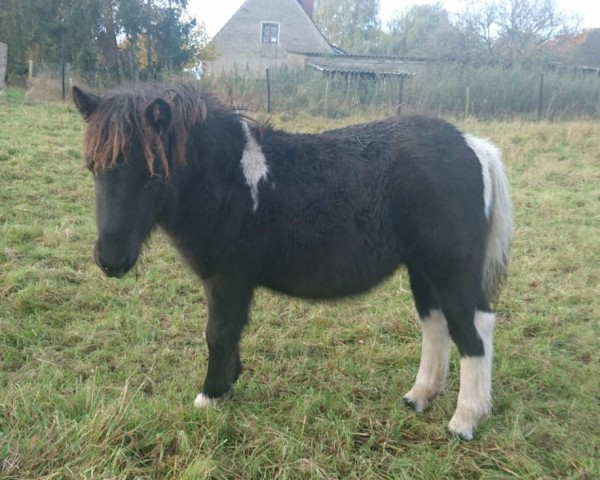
[254, 164]
[488, 154]
[202, 401]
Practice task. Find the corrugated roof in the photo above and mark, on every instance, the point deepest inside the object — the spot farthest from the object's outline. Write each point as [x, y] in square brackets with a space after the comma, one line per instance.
[360, 72]
[364, 65]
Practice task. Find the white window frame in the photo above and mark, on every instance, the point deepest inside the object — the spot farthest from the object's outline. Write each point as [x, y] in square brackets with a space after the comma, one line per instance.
[262, 30]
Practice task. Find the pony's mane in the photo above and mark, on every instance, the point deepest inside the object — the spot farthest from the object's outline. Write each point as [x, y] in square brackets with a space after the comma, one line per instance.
[122, 113]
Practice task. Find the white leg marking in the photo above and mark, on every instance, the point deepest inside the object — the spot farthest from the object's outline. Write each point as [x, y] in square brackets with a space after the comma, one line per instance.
[202, 401]
[254, 164]
[435, 357]
[475, 395]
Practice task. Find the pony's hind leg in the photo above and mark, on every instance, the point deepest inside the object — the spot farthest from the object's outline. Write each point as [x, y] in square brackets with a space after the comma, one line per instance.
[435, 348]
[228, 306]
[475, 394]
[471, 326]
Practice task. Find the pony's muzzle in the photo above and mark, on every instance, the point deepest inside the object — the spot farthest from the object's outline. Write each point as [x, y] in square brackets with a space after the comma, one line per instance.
[111, 262]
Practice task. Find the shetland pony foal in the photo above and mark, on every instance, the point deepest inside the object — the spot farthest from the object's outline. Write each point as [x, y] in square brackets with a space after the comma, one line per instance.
[315, 216]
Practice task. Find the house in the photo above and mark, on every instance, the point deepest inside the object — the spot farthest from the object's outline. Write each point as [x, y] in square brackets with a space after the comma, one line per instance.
[587, 48]
[262, 32]
[581, 52]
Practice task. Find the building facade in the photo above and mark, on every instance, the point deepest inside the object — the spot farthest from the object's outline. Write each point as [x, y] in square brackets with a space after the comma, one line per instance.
[262, 32]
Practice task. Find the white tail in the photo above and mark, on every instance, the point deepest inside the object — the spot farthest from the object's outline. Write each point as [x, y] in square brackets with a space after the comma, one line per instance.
[498, 208]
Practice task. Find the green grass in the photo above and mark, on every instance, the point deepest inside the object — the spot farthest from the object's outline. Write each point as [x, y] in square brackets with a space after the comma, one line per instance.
[97, 376]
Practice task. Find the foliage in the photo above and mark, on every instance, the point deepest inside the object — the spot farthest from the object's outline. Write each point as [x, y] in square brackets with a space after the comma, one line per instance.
[517, 31]
[508, 32]
[352, 25]
[97, 376]
[106, 41]
[424, 31]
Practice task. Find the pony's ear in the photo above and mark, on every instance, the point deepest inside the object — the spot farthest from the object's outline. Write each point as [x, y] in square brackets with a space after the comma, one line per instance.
[86, 103]
[159, 115]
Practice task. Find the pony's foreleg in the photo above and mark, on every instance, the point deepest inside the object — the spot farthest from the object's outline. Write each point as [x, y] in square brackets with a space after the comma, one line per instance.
[435, 357]
[475, 394]
[228, 306]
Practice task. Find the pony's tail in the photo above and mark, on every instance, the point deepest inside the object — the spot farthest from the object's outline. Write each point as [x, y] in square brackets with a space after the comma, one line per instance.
[501, 228]
[499, 212]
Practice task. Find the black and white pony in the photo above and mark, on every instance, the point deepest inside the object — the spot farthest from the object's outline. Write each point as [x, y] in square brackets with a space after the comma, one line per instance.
[314, 216]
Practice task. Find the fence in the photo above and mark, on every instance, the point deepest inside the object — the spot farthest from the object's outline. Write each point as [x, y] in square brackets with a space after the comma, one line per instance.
[446, 89]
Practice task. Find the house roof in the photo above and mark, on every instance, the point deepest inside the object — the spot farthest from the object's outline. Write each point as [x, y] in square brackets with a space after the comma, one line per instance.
[583, 49]
[589, 50]
[365, 65]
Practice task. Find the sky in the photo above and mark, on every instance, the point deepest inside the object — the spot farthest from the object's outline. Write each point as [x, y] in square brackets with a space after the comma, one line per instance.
[214, 13]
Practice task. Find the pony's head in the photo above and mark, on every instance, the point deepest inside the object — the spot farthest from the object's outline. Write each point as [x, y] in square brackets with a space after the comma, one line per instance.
[132, 142]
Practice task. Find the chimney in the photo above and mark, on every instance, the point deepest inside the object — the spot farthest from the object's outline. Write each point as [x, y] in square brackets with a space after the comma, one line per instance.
[308, 6]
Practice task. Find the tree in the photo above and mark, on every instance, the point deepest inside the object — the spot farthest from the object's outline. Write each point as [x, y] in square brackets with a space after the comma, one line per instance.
[516, 31]
[105, 40]
[424, 31]
[352, 25]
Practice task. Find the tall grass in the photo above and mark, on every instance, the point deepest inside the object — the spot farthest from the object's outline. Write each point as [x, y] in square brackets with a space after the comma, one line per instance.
[494, 92]
[97, 376]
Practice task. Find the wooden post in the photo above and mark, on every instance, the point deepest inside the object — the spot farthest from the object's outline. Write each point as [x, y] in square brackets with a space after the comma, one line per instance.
[541, 97]
[3, 59]
[30, 76]
[268, 92]
[467, 101]
[400, 96]
[63, 69]
[326, 99]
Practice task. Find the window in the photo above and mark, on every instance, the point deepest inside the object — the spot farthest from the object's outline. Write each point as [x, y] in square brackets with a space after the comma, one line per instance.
[270, 32]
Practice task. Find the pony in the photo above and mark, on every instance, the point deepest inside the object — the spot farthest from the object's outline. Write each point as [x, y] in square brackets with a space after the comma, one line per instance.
[317, 216]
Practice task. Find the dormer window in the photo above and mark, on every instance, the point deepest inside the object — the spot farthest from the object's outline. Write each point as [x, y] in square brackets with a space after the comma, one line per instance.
[270, 32]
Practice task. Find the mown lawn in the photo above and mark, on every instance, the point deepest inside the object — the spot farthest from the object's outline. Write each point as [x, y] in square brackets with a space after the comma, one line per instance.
[97, 376]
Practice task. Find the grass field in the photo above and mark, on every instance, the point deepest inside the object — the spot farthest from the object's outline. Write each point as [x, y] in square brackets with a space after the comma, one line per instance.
[97, 376]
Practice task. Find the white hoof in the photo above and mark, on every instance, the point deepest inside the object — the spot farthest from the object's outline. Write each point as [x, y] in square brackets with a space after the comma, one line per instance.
[463, 423]
[202, 401]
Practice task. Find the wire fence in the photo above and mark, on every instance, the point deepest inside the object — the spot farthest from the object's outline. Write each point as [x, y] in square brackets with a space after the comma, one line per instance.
[444, 89]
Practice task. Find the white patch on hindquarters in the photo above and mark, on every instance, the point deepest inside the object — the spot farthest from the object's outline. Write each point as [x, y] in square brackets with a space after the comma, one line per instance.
[254, 164]
[475, 395]
[202, 401]
[435, 357]
[488, 154]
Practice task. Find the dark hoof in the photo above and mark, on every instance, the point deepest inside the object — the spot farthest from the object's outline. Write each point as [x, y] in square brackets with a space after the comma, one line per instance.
[410, 404]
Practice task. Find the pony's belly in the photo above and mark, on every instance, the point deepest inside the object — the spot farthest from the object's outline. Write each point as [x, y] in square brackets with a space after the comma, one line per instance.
[331, 278]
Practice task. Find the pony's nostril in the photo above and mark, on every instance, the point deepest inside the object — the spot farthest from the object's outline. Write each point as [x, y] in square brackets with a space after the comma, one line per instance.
[115, 267]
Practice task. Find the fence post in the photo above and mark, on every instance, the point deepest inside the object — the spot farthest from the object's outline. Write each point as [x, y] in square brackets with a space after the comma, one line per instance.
[30, 75]
[400, 96]
[3, 61]
[467, 101]
[326, 99]
[63, 69]
[268, 92]
[541, 97]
